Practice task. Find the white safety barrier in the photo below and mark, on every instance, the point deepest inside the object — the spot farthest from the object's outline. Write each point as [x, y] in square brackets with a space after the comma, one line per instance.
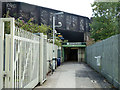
[43, 58]
[50, 53]
[23, 57]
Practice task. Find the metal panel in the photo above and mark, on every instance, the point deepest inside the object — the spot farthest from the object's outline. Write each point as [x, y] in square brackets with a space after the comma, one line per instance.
[41, 59]
[108, 49]
[1, 52]
[59, 53]
[119, 60]
[44, 58]
[49, 54]
[21, 58]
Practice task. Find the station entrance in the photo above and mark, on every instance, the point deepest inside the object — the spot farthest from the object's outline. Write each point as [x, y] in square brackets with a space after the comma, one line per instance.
[74, 52]
[71, 54]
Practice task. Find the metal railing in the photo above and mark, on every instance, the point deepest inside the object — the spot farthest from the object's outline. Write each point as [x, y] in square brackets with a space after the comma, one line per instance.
[23, 57]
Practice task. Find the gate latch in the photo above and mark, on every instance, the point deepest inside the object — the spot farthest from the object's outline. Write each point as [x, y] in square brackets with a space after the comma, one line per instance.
[5, 75]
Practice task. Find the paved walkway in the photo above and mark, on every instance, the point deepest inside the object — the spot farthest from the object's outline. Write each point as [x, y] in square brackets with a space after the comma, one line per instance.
[75, 75]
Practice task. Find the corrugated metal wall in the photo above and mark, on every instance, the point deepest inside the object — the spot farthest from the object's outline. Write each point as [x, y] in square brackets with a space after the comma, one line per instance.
[109, 51]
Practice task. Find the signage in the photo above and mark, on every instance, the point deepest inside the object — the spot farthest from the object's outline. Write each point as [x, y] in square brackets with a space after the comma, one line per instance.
[59, 35]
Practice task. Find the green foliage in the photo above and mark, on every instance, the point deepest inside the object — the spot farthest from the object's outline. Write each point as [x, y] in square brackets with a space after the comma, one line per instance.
[7, 24]
[35, 28]
[58, 41]
[65, 41]
[105, 20]
[31, 27]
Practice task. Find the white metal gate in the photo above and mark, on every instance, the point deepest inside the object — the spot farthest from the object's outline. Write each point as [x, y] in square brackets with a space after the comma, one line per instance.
[1, 53]
[21, 57]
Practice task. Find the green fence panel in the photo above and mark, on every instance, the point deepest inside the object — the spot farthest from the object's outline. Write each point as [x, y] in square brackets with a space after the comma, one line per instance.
[119, 60]
[109, 51]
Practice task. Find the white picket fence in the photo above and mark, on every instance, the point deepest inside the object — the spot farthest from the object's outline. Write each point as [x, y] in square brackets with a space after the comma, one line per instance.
[23, 56]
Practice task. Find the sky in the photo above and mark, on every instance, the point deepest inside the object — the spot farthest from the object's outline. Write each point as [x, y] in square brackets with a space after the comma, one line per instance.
[79, 7]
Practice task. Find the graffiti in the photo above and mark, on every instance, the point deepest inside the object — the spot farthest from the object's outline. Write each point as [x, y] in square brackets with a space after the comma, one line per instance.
[11, 5]
[44, 15]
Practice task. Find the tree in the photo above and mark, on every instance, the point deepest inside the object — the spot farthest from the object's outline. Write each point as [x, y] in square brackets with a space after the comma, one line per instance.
[105, 20]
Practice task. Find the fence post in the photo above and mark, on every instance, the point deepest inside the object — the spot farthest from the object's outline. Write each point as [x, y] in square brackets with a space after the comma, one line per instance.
[1, 52]
[45, 57]
[41, 59]
[12, 30]
[7, 56]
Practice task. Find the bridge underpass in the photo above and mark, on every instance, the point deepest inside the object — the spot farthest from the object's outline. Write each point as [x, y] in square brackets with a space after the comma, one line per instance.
[71, 54]
[73, 51]
[75, 75]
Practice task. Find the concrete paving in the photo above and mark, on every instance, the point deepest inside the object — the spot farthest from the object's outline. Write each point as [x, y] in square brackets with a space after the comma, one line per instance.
[75, 75]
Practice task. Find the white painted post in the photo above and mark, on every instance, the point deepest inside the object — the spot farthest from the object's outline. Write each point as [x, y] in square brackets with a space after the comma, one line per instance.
[12, 30]
[7, 56]
[1, 52]
[38, 65]
[41, 58]
[45, 57]
[53, 42]
[20, 63]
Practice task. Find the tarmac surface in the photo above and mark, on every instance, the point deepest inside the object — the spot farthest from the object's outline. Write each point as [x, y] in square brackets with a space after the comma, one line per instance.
[75, 75]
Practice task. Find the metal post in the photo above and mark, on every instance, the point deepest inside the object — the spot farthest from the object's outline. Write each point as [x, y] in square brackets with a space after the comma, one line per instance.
[12, 31]
[53, 42]
[54, 36]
